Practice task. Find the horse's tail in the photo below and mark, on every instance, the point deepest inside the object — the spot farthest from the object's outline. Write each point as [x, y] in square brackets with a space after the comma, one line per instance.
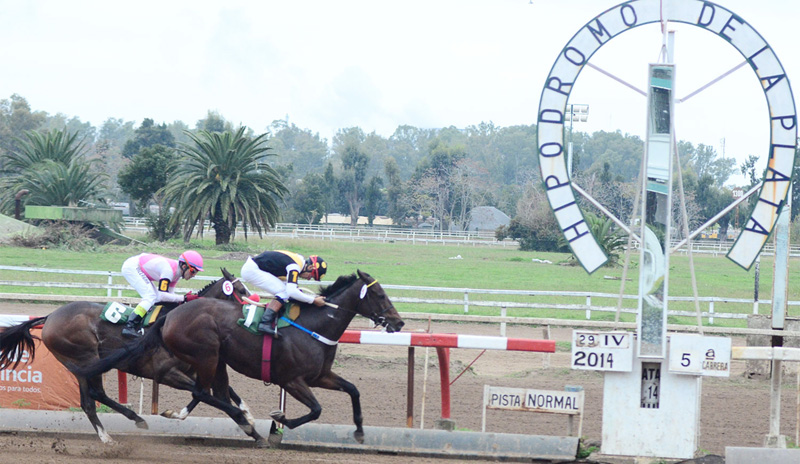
[16, 339]
[126, 356]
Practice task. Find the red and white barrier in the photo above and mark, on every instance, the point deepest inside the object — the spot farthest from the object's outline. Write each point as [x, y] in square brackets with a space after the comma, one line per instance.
[443, 343]
[448, 341]
[8, 321]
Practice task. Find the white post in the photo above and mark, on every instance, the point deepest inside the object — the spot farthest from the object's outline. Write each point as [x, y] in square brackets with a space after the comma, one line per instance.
[546, 356]
[424, 390]
[755, 288]
[485, 400]
[141, 394]
[711, 312]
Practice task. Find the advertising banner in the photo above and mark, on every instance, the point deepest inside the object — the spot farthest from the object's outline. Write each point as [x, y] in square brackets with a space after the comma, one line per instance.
[43, 383]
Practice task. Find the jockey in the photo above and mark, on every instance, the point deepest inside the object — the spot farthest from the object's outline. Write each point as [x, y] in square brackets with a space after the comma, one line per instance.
[277, 272]
[154, 277]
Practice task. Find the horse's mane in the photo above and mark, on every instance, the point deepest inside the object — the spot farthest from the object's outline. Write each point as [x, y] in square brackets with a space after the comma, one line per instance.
[203, 290]
[342, 283]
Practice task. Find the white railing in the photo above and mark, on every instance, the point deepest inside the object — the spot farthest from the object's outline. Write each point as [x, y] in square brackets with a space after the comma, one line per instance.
[424, 237]
[360, 233]
[471, 298]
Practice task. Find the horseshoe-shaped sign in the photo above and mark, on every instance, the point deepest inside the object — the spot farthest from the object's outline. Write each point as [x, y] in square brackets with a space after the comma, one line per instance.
[626, 16]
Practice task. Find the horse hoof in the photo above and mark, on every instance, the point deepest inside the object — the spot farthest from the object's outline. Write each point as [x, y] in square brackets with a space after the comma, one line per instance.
[262, 443]
[277, 416]
[359, 436]
[169, 414]
[142, 425]
[275, 439]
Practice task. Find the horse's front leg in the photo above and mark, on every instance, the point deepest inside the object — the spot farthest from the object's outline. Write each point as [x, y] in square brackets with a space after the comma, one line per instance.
[332, 381]
[300, 391]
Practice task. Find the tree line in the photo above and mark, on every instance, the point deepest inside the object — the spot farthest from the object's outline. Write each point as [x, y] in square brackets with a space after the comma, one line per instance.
[225, 175]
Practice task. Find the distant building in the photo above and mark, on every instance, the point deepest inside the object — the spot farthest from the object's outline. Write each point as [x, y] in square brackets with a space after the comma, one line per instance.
[124, 207]
[485, 218]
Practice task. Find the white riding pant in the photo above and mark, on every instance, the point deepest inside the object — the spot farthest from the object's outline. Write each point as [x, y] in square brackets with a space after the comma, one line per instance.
[263, 280]
[134, 275]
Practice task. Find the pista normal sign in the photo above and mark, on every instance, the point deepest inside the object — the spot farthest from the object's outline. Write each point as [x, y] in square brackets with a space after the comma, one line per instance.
[522, 399]
[519, 399]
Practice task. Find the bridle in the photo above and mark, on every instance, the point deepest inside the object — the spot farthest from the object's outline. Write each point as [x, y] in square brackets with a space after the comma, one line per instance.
[377, 317]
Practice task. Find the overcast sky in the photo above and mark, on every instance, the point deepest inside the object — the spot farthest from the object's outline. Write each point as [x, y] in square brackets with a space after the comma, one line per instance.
[375, 64]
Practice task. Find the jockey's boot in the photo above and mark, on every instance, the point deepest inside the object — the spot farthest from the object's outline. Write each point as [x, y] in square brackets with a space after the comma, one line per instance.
[267, 321]
[132, 327]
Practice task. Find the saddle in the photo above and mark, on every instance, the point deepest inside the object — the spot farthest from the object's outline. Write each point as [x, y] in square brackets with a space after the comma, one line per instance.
[118, 313]
[251, 316]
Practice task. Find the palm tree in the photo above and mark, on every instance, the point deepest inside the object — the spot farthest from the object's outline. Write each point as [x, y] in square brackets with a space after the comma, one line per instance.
[224, 177]
[59, 185]
[53, 167]
[608, 237]
[56, 145]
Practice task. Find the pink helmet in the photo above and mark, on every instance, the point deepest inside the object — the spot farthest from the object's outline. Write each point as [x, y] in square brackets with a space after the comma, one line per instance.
[192, 258]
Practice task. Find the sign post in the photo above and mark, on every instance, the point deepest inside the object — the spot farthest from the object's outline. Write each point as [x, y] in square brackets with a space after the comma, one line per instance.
[637, 419]
[544, 401]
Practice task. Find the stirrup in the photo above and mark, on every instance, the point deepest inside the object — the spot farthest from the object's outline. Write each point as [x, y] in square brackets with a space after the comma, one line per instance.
[132, 332]
[267, 329]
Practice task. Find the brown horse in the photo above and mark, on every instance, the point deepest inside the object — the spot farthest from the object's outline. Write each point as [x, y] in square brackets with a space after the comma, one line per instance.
[77, 337]
[207, 337]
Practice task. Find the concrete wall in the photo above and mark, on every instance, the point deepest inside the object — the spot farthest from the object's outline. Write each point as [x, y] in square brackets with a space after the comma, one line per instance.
[762, 368]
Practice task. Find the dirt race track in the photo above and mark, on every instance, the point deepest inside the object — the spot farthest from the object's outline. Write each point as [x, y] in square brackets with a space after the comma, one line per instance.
[735, 410]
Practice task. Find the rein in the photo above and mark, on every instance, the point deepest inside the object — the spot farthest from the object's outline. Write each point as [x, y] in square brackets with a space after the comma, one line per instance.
[376, 318]
[314, 335]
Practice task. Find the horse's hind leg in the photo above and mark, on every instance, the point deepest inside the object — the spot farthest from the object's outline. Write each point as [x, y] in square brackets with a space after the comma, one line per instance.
[333, 382]
[98, 393]
[88, 406]
[235, 413]
[216, 379]
[222, 390]
[239, 402]
[179, 380]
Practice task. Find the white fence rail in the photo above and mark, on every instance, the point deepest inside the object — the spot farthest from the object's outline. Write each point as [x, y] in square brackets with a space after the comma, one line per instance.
[362, 233]
[470, 298]
[424, 237]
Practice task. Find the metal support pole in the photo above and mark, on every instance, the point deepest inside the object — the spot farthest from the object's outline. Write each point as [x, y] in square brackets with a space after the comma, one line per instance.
[757, 272]
[410, 389]
[122, 386]
[443, 354]
[154, 399]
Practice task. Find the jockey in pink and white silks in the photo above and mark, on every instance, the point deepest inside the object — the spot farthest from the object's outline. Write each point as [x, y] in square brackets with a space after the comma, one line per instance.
[155, 277]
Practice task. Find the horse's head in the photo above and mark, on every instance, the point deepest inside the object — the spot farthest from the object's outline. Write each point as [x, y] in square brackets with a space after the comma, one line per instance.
[227, 288]
[375, 304]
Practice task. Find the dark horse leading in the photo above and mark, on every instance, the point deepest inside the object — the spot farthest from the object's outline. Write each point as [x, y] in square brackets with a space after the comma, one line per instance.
[207, 337]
